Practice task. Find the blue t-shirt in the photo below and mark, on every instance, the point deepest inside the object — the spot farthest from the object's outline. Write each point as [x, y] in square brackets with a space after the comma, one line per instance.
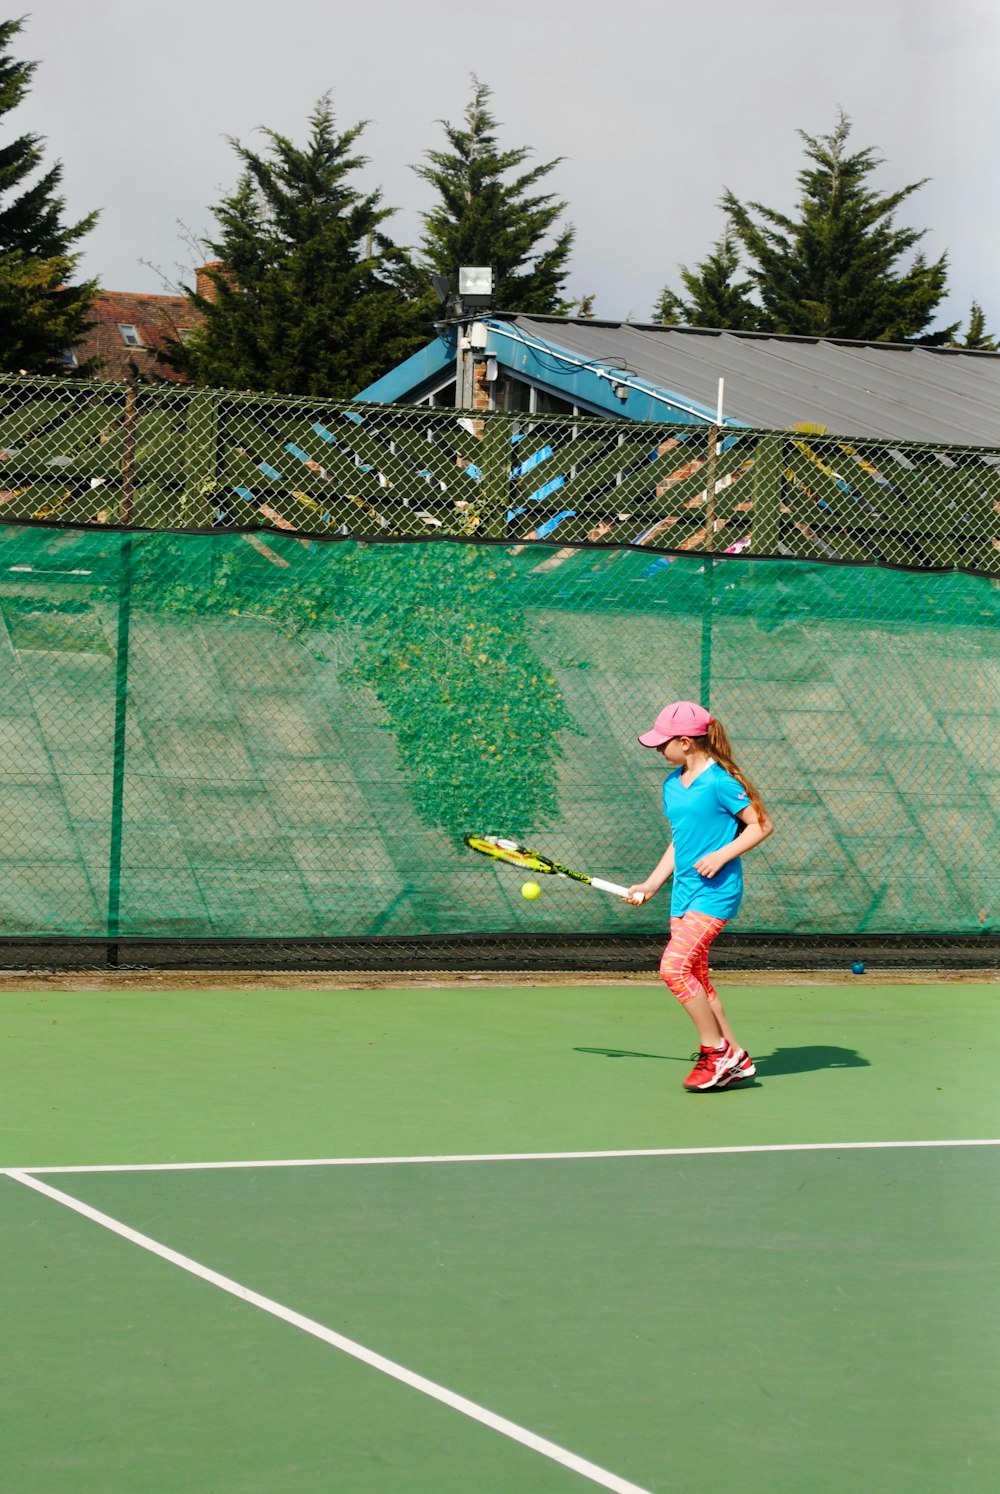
[702, 819]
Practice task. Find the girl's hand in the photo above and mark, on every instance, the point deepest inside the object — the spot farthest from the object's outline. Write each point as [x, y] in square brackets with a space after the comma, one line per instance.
[712, 864]
[640, 893]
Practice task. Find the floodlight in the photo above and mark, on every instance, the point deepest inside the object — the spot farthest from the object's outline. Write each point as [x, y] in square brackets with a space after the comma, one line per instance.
[475, 285]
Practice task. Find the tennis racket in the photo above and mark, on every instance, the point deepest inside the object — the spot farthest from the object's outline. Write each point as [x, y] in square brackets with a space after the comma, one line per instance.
[502, 849]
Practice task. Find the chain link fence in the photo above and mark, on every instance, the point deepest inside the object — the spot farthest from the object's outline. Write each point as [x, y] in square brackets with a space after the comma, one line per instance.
[263, 748]
[157, 457]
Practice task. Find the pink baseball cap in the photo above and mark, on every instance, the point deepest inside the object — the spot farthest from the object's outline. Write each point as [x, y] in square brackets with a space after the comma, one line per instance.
[681, 719]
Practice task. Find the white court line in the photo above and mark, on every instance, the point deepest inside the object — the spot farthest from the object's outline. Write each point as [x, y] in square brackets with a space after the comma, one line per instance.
[660, 1151]
[449, 1398]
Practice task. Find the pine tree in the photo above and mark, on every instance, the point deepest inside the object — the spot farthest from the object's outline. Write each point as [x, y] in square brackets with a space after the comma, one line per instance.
[484, 218]
[976, 336]
[717, 298]
[309, 294]
[835, 271]
[41, 314]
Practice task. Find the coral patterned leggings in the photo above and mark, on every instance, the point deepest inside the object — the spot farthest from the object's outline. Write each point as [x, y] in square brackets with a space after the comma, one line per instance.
[684, 966]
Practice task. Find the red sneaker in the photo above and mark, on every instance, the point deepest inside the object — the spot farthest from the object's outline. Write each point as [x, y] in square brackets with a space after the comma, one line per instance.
[711, 1064]
[742, 1068]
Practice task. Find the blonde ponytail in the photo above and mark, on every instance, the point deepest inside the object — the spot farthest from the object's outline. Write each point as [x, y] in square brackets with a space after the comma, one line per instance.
[717, 744]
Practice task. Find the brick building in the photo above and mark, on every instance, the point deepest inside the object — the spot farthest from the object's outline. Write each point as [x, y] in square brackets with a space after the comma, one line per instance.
[131, 331]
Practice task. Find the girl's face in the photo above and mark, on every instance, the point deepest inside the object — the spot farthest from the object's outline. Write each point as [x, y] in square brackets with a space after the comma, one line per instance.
[677, 750]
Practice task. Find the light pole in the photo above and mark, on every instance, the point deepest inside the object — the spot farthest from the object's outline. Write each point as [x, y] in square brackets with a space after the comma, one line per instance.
[475, 294]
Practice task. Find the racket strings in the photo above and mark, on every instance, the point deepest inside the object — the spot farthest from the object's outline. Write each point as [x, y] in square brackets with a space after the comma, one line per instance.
[514, 854]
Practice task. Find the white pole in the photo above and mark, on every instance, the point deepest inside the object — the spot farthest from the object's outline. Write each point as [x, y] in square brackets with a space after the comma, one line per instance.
[718, 413]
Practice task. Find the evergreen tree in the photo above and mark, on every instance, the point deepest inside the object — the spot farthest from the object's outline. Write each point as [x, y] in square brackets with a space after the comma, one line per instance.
[484, 218]
[717, 298]
[835, 270]
[41, 314]
[309, 295]
[976, 336]
[838, 268]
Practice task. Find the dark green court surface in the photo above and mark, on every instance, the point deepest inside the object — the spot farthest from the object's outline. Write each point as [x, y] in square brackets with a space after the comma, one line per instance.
[821, 1315]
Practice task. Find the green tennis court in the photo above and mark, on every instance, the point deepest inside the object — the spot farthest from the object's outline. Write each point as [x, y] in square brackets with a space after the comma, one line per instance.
[473, 1237]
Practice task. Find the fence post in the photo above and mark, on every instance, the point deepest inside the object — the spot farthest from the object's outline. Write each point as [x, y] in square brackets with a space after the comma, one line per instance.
[708, 590]
[201, 449]
[711, 469]
[128, 459]
[118, 763]
[495, 480]
[765, 521]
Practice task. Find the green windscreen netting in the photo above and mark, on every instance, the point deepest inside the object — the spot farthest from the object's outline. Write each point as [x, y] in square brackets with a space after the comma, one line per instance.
[260, 736]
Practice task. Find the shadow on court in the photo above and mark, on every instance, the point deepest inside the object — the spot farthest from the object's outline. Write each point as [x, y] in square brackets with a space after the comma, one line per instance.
[808, 1057]
[802, 1060]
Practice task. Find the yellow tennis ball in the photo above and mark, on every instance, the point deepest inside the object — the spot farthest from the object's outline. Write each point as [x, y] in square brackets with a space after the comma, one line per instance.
[531, 890]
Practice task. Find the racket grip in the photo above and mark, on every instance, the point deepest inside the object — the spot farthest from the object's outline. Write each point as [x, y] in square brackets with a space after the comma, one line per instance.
[612, 887]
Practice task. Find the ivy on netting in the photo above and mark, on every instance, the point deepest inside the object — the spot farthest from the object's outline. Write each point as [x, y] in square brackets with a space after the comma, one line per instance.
[477, 716]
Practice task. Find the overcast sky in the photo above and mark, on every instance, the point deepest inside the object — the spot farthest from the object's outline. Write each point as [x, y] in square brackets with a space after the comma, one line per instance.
[655, 106]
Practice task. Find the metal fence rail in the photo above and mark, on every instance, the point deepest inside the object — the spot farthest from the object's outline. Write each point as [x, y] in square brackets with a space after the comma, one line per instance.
[157, 457]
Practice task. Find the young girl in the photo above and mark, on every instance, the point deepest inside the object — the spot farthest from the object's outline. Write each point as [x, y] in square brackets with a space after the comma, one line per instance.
[715, 815]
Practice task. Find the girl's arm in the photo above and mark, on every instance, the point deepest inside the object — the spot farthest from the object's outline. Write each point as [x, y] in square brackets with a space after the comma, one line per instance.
[754, 831]
[641, 892]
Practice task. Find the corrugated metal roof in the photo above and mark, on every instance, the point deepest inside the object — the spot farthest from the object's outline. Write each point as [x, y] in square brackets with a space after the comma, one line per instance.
[880, 390]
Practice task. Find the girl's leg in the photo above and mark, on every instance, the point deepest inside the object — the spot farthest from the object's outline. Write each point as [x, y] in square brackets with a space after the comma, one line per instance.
[703, 978]
[684, 969]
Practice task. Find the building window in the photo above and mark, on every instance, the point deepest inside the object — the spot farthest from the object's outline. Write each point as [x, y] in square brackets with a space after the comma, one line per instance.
[551, 404]
[68, 358]
[185, 335]
[514, 395]
[130, 335]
